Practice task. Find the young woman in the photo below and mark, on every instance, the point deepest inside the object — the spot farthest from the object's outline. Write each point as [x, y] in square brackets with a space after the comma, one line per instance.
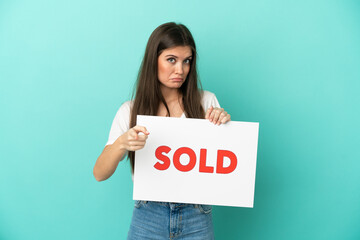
[167, 85]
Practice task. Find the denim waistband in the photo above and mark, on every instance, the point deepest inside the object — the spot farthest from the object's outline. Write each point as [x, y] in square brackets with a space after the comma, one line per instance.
[171, 205]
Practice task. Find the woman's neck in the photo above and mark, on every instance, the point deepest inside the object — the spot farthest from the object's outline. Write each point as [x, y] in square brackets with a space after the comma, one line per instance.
[170, 94]
[173, 99]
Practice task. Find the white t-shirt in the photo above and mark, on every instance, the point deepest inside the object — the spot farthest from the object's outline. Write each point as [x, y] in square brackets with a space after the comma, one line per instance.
[122, 118]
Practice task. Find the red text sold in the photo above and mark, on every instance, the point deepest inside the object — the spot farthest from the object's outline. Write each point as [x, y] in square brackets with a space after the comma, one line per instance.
[161, 153]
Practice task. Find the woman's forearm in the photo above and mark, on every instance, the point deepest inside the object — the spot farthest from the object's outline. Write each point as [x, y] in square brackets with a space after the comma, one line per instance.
[108, 160]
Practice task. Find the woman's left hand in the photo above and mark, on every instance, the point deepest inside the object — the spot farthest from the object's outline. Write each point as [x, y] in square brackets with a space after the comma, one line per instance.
[217, 115]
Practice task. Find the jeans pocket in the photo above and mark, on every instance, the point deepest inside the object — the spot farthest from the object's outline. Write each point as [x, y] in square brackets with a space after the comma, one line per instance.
[139, 203]
[206, 209]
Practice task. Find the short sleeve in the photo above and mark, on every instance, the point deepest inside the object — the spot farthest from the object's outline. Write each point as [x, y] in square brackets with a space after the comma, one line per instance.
[209, 99]
[120, 123]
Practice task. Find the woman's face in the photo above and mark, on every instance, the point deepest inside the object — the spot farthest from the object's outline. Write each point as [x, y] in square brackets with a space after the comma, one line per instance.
[174, 66]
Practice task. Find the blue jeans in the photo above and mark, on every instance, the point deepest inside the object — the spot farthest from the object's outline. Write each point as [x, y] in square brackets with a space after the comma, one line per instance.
[175, 221]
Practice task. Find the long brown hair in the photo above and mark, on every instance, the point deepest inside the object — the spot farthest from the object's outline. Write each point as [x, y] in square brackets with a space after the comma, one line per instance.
[148, 96]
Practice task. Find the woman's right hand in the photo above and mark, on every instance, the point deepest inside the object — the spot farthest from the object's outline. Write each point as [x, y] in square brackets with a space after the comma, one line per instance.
[132, 140]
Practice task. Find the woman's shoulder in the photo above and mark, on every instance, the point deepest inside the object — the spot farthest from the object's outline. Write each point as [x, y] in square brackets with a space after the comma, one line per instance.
[127, 104]
[206, 95]
[209, 99]
[125, 108]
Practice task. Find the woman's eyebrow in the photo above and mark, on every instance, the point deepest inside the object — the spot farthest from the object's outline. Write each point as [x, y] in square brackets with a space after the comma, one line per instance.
[170, 55]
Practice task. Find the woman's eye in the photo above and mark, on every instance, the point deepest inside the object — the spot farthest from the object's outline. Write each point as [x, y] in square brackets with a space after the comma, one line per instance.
[172, 60]
[187, 61]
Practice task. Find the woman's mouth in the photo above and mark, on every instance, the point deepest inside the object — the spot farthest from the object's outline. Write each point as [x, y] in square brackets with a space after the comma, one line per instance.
[177, 79]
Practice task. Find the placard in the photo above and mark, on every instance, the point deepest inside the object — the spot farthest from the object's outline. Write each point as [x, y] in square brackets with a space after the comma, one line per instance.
[194, 161]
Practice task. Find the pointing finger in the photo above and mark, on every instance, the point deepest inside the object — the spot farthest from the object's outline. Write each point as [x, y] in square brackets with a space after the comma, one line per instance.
[133, 134]
[142, 137]
[141, 129]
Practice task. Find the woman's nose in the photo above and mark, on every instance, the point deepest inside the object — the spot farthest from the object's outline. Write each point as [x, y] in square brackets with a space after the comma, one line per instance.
[179, 68]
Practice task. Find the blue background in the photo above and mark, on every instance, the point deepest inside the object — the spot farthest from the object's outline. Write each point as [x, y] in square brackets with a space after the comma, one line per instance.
[67, 66]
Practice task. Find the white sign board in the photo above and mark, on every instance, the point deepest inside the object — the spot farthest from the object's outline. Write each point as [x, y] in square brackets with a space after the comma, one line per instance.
[194, 161]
